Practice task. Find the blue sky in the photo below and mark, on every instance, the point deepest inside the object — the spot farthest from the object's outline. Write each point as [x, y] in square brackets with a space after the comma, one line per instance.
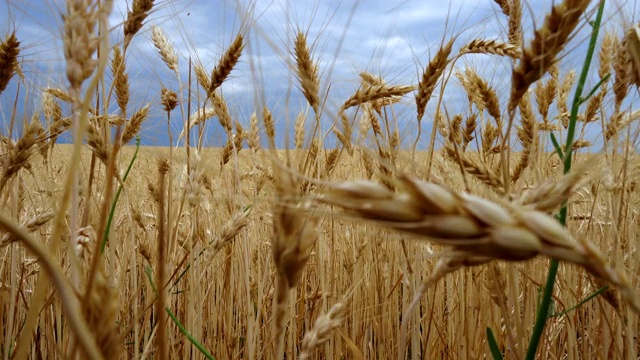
[394, 39]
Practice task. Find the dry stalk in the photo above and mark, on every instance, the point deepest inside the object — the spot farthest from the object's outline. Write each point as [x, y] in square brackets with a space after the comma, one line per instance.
[161, 225]
[65, 292]
[293, 236]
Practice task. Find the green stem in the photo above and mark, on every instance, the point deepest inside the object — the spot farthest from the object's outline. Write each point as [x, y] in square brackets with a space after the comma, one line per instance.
[186, 333]
[105, 236]
[493, 346]
[582, 302]
[543, 312]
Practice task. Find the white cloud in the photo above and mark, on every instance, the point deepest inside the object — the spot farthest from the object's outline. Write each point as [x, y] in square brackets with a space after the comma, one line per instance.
[391, 38]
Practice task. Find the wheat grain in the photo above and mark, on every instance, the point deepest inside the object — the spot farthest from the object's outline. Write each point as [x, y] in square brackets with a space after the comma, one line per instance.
[473, 227]
[165, 48]
[253, 139]
[135, 19]
[120, 80]
[299, 130]
[374, 93]
[319, 333]
[543, 50]
[515, 23]
[80, 41]
[9, 50]
[20, 153]
[168, 99]
[31, 224]
[133, 125]
[563, 95]
[495, 47]
[226, 64]
[430, 77]
[307, 72]
[633, 49]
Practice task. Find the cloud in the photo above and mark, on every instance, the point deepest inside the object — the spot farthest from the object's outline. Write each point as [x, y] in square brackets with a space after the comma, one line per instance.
[394, 39]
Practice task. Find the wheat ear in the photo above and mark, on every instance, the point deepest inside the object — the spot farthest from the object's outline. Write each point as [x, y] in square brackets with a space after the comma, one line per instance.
[9, 50]
[543, 50]
[472, 226]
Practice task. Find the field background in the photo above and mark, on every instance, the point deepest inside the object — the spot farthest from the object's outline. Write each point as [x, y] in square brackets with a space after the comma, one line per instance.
[225, 300]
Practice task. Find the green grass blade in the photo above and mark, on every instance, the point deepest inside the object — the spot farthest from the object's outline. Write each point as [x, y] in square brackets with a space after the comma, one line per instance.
[582, 302]
[193, 340]
[112, 211]
[493, 345]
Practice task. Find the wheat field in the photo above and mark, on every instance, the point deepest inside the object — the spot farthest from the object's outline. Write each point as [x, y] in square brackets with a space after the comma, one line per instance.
[512, 234]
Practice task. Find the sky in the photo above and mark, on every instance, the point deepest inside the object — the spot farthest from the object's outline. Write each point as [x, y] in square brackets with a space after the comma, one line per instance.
[392, 39]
